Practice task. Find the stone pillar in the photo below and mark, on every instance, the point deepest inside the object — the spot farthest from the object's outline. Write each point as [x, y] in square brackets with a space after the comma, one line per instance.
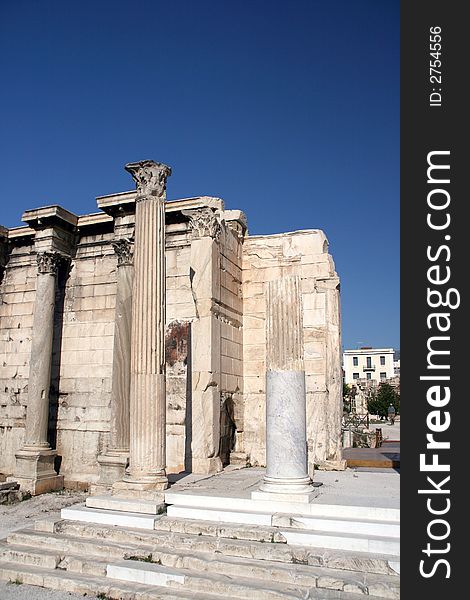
[3, 250]
[286, 430]
[114, 462]
[334, 375]
[146, 474]
[205, 342]
[35, 461]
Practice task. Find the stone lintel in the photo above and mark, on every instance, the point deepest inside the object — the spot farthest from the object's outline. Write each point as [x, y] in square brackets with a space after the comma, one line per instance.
[235, 216]
[50, 216]
[115, 204]
[93, 219]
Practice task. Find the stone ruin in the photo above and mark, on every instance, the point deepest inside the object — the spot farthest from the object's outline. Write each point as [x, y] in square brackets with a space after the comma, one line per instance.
[124, 358]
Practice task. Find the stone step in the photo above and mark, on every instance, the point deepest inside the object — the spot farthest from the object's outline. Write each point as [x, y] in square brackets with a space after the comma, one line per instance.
[221, 585]
[342, 525]
[94, 586]
[109, 517]
[232, 546]
[115, 543]
[129, 505]
[26, 555]
[69, 545]
[305, 576]
[333, 539]
[236, 531]
[343, 541]
[286, 574]
[312, 509]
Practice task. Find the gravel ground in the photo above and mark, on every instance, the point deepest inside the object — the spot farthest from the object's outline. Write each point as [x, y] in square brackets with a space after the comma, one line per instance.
[11, 591]
[19, 516]
[22, 515]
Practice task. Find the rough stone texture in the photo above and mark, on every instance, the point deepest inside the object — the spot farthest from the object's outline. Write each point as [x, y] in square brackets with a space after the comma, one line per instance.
[215, 335]
[268, 258]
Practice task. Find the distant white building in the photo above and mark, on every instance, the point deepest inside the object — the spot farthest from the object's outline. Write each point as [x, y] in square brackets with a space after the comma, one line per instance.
[371, 364]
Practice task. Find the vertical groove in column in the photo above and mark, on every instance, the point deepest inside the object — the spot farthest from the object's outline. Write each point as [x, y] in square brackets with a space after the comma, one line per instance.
[148, 404]
[284, 325]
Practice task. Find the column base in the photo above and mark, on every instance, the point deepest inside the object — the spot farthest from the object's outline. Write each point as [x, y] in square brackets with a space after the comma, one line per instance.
[206, 466]
[35, 471]
[112, 469]
[286, 489]
[239, 458]
[140, 489]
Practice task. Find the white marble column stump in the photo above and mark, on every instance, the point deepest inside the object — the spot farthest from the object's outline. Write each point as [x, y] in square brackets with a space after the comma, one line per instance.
[114, 462]
[35, 460]
[205, 342]
[286, 430]
[146, 475]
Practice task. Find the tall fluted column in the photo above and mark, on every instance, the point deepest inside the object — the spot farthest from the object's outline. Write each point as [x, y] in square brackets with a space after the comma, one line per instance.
[114, 462]
[286, 431]
[35, 461]
[147, 459]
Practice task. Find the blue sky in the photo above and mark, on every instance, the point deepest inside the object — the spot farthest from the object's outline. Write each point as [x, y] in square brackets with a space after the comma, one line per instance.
[287, 110]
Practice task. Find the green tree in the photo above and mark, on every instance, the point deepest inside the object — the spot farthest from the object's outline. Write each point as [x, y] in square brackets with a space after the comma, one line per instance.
[346, 398]
[378, 404]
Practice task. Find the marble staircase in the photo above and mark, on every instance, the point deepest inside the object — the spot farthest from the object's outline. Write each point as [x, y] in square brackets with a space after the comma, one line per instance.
[180, 557]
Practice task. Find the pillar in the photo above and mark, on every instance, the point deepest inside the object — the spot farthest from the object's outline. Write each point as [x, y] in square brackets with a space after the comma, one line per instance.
[3, 250]
[205, 342]
[146, 474]
[332, 409]
[286, 430]
[114, 462]
[35, 461]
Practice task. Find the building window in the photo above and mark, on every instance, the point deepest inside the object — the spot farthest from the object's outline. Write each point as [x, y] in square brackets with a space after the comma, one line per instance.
[355, 361]
[355, 375]
[383, 375]
[369, 362]
[382, 360]
[369, 375]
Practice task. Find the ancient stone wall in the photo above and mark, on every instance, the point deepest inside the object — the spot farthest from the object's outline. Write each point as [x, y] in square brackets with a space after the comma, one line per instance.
[16, 322]
[215, 336]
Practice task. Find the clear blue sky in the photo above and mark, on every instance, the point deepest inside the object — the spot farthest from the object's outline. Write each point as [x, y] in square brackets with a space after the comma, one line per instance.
[287, 110]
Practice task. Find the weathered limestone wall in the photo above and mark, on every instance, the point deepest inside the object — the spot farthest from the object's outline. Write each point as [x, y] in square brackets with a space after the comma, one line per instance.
[85, 358]
[215, 337]
[267, 258]
[16, 322]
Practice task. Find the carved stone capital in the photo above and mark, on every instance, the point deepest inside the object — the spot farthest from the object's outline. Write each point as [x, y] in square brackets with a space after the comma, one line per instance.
[150, 178]
[124, 249]
[48, 262]
[204, 223]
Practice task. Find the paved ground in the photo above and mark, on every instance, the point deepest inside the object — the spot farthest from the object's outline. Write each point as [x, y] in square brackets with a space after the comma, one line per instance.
[391, 432]
[356, 487]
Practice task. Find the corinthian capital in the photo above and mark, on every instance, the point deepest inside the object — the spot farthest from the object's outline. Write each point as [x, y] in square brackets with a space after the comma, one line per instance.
[48, 262]
[204, 223]
[125, 252]
[150, 177]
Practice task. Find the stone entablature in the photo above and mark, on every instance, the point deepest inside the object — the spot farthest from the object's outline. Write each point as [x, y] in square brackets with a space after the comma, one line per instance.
[216, 278]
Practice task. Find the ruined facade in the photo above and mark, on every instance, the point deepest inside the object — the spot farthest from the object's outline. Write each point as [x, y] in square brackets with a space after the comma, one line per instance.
[215, 335]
